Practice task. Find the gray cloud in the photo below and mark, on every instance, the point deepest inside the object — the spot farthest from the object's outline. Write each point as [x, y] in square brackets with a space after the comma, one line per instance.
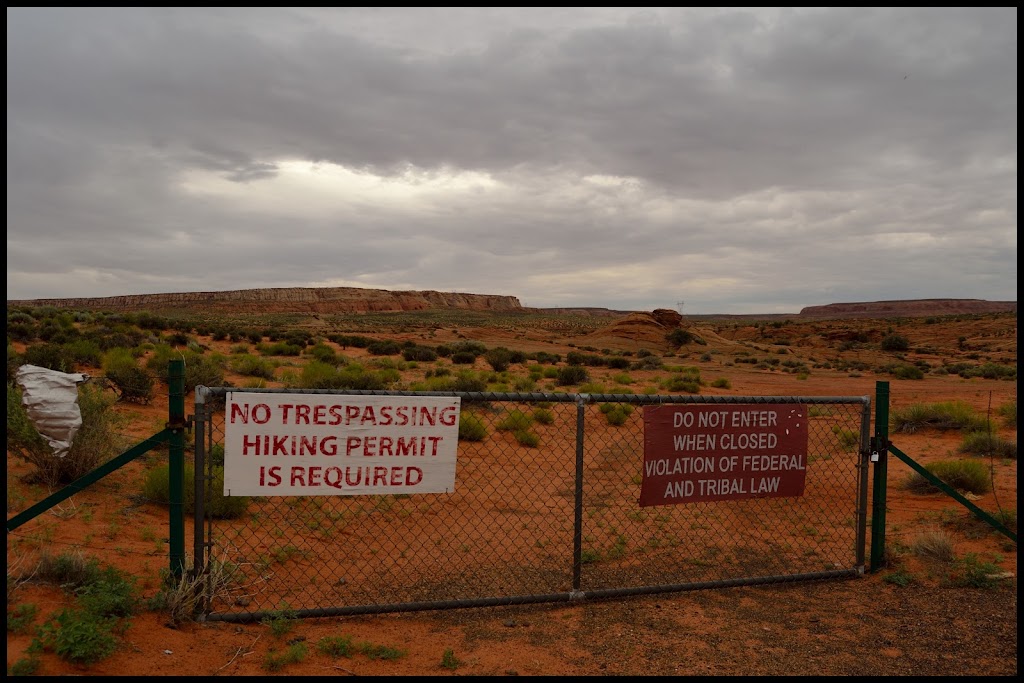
[741, 160]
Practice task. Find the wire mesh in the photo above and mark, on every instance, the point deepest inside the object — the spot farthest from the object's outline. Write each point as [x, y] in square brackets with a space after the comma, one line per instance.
[545, 506]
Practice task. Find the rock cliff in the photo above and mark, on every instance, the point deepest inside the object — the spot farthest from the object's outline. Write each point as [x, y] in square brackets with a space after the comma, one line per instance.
[291, 300]
[909, 308]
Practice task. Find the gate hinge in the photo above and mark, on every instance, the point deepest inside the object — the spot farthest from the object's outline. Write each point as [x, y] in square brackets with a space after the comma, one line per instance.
[183, 423]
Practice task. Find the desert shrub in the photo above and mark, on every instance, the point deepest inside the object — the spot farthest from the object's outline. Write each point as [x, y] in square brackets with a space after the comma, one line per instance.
[1007, 411]
[131, 382]
[589, 359]
[23, 332]
[182, 596]
[527, 438]
[466, 381]
[528, 383]
[474, 347]
[471, 427]
[384, 347]
[679, 337]
[157, 488]
[13, 362]
[23, 440]
[516, 420]
[962, 475]
[682, 383]
[901, 371]
[543, 416]
[499, 358]
[104, 600]
[96, 441]
[323, 353]
[419, 353]
[944, 415]
[545, 358]
[848, 439]
[463, 357]
[972, 572]
[618, 413]
[894, 342]
[987, 443]
[572, 374]
[336, 646]
[989, 371]
[279, 348]
[254, 366]
[78, 636]
[721, 383]
[84, 352]
[48, 355]
[319, 375]
[200, 369]
[935, 544]
[648, 362]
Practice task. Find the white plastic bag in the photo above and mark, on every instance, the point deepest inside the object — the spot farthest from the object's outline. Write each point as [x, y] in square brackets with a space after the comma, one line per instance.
[50, 398]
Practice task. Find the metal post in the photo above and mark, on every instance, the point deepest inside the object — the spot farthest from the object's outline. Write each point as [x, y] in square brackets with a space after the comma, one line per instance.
[176, 464]
[879, 454]
[577, 536]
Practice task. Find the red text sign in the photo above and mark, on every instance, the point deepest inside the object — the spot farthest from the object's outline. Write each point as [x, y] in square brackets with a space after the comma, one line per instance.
[701, 453]
[318, 444]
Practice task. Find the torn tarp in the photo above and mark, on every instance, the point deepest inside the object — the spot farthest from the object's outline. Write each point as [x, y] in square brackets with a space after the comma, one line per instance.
[50, 399]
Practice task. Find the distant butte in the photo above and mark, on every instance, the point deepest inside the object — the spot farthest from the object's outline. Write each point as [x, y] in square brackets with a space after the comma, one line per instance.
[358, 300]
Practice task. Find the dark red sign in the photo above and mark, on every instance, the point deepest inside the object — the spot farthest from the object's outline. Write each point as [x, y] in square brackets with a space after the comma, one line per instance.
[726, 452]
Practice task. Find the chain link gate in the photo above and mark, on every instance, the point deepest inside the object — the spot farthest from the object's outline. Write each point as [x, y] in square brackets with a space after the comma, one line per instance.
[551, 516]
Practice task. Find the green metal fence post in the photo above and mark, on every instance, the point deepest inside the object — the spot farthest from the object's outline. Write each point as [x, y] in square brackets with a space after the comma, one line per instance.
[176, 464]
[879, 454]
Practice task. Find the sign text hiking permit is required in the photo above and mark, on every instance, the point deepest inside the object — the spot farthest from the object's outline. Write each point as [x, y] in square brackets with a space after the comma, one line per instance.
[727, 452]
[321, 444]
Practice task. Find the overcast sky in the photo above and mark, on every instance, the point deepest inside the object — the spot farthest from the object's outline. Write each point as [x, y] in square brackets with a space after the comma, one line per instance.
[727, 160]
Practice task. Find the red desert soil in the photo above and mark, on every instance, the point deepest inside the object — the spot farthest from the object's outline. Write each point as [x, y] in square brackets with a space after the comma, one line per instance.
[860, 626]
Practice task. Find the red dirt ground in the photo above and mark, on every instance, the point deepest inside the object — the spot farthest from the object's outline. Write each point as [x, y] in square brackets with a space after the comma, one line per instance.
[863, 626]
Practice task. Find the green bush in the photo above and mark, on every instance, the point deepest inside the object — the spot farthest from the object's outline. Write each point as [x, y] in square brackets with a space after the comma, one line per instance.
[385, 347]
[104, 600]
[131, 382]
[463, 357]
[499, 358]
[1007, 411]
[679, 337]
[418, 353]
[569, 375]
[618, 414]
[543, 416]
[987, 443]
[79, 636]
[526, 438]
[682, 384]
[961, 475]
[200, 370]
[53, 356]
[945, 415]
[516, 420]
[157, 488]
[254, 366]
[471, 427]
[894, 342]
[96, 441]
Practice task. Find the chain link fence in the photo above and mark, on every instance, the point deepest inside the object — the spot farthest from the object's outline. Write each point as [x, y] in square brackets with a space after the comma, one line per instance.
[545, 509]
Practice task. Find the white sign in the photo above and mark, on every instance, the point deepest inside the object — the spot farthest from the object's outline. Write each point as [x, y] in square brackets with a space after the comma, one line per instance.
[321, 444]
